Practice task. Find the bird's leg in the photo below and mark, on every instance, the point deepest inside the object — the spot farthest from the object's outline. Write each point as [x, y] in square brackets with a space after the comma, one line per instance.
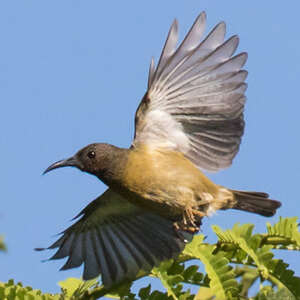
[179, 227]
[188, 222]
[198, 213]
[178, 231]
[189, 215]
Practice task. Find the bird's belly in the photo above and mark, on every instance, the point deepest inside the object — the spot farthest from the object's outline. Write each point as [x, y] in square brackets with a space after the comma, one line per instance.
[165, 182]
[164, 199]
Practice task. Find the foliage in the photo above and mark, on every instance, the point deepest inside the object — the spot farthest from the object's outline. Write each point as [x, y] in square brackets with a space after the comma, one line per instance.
[2, 245]
[233, 265]
[12, 291]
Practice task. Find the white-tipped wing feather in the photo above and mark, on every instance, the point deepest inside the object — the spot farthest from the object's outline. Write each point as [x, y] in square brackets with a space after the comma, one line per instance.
[116, 239]
[195, 98]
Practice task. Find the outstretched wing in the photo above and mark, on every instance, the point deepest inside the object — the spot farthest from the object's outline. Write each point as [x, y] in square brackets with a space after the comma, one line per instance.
[116, 239]
[195, 98]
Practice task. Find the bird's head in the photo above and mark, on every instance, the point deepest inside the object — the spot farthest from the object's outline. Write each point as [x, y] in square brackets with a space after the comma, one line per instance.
[95, 159]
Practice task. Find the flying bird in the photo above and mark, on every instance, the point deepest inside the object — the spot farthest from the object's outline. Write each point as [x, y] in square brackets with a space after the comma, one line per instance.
[190, 120]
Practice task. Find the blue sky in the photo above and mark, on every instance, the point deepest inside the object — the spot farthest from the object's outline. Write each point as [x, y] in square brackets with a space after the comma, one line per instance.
[73, 73]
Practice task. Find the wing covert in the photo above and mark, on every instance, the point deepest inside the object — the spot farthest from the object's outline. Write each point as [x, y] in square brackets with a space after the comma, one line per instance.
[195, 98]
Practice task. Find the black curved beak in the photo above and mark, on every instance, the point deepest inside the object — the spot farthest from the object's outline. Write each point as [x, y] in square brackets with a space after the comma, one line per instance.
[69, 162]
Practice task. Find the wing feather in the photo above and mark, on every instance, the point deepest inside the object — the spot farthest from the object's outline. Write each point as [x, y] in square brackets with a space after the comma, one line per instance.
[114, 262]
[75, 254]
[91, 264]
[189, 44]
[168, 49]
[129, 249]
[151, 72]
[195, 98]
[117, 239]
[105, 260]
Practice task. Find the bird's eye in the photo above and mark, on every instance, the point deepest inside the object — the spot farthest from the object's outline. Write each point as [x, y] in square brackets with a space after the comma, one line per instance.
[91, 154]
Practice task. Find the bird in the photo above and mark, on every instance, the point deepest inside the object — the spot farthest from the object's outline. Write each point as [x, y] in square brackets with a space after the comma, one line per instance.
[189, 121]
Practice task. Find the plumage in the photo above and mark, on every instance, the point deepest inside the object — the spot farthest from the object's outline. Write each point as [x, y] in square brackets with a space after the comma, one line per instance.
[118, 239]
[190, 118]
[196, 89]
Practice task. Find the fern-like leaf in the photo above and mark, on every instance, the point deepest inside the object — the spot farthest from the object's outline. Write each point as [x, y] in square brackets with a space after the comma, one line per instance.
[248, 277]
[284, 234]
[240, 236]
[283, 277]
[222, 280]
[170, 274]
[268, 293]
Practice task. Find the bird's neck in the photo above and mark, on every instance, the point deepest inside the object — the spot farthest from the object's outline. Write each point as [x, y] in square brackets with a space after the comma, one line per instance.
[113, 167]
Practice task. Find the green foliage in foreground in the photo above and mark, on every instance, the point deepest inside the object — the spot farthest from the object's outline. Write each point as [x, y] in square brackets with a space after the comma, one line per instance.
[232, 265]
[2, 245]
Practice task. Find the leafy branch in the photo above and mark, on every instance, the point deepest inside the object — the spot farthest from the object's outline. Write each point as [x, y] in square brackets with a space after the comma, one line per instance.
[233, 265]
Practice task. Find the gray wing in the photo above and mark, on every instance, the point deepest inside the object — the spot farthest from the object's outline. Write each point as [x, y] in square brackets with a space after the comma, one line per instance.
[195, 98]
[116, 239]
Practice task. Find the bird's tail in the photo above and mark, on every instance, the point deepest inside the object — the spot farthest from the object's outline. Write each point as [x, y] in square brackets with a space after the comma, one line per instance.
[255, 202]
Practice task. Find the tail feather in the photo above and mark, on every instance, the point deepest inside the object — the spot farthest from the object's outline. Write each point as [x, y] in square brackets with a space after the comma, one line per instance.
[256, 202]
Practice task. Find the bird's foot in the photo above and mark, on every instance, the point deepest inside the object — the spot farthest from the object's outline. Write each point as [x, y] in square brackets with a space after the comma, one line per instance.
[180, 226]
[180, 229]
[190, 223]
[191, 216]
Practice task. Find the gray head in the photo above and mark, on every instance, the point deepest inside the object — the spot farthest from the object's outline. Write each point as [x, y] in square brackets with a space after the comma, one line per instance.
[97, 159]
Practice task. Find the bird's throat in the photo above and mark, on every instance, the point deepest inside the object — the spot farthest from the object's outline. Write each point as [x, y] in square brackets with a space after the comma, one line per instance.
[112, 167]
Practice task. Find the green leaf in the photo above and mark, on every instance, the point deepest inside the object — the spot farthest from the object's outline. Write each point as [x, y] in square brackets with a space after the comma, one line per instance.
[70, 285]
[240, 236]
[284, 278]
[12, 291]
[123, 291]
[75, 288]
[144, 293]
[205, 293]
[268, 293]
[284, 234]
[248, 277]
[222, 280]
[157, 295]
[191, 275]
[170, 282]
[2, 245]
